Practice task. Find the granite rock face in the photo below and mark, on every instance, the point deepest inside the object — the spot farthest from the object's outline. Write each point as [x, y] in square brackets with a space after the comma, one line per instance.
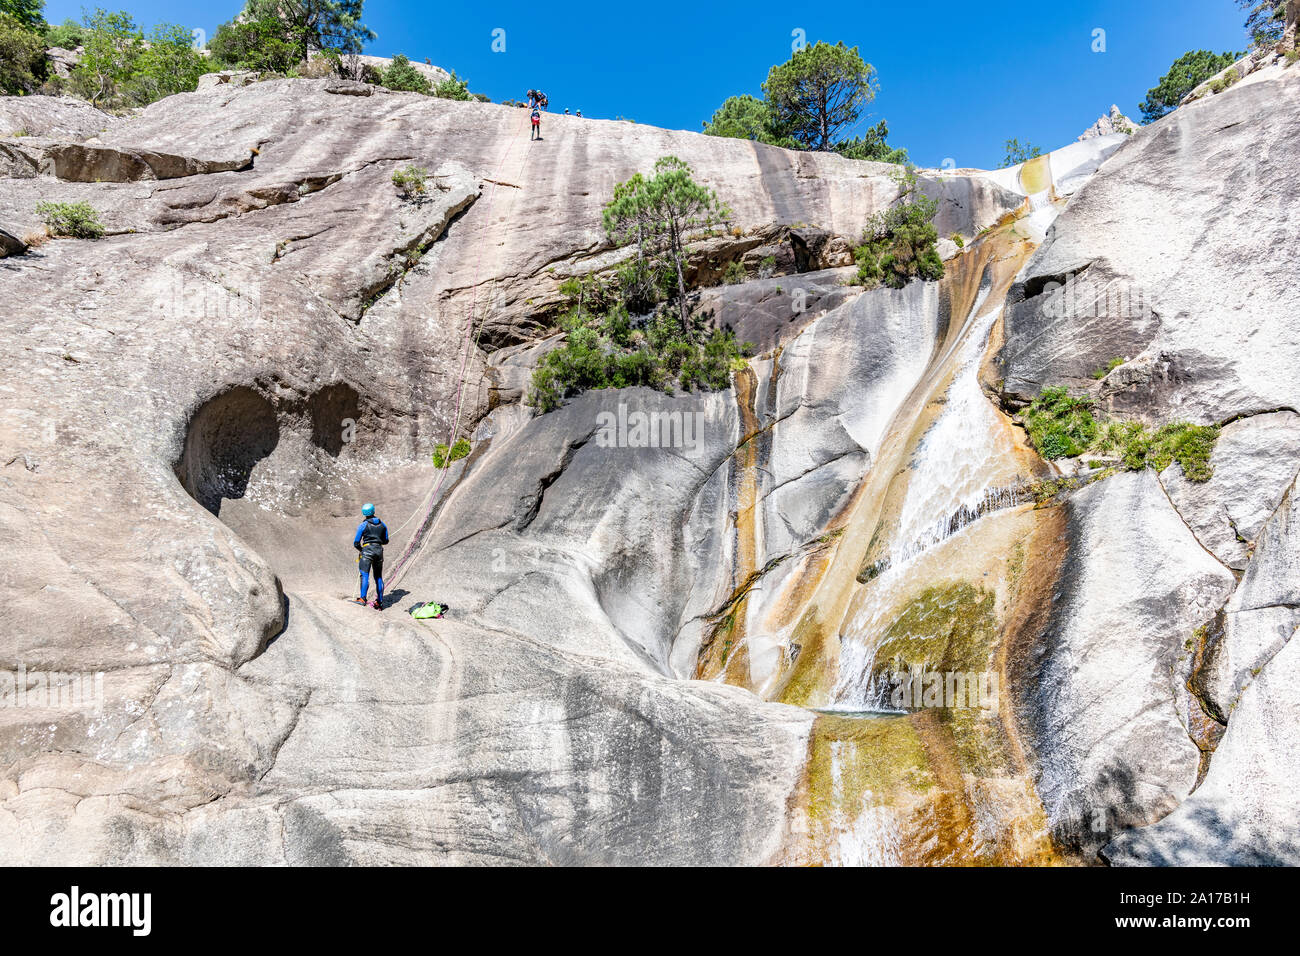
[268, 332]
[1254, 462]
[1111, 749]
[270, 335]
[1178, 258]
[1132, 270]
[1112, 122]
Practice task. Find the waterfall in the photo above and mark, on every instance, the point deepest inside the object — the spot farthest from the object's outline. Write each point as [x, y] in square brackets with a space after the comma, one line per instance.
[866, 833]
[951, 485]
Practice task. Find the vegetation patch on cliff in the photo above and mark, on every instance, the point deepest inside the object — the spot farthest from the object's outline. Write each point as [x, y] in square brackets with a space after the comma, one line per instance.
[1063, 426]
[605, 346]
[77, 220]
[899, 242]
[607, 350]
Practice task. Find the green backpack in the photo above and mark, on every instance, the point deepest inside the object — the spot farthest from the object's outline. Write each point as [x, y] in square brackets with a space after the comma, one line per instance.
[429, 610]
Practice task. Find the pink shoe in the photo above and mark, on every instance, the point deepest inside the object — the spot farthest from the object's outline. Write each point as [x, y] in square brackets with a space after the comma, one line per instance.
[375, 605]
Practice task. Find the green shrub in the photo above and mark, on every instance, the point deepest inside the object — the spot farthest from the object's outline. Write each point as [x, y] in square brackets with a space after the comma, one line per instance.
[1189, 445]
[411, 181]
[644, 282]
[79, 220]
[590, 293]
[403, 76]
[903, 253]
[67, 35]
[1292, 56]
[1060, 426]
[1109, 367]
[734, 273]
[321, 66]
[1188, 72]
[442, 456]
[572, 289]
[255, 44]
[167, 64]
[1018, 152]
[873, 147]
[121, 68]
[22, 57]
[899, 242]
[275, 36]
[956, 237]
[745, 117]
[605, 351]
[1123, 439]
[1063, 427]
[452, 88]
[710, 366]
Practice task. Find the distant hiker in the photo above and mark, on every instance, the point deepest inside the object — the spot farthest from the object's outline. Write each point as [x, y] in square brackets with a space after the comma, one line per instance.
[537, 123]
[372, 535]
[579, 114]
[566, 111]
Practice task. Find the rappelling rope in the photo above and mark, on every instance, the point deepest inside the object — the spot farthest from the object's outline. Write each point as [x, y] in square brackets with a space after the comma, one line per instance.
[470, 343]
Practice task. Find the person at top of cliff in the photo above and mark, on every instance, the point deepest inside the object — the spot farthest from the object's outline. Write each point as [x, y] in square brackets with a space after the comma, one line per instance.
[371, 536]
[536, 99]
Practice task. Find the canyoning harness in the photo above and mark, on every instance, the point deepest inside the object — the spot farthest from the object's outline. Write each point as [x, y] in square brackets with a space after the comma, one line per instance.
[372, 535]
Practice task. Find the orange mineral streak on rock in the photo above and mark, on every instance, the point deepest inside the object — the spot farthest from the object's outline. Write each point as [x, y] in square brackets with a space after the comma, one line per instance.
[725, 653]
[937, 786]
[876, 504]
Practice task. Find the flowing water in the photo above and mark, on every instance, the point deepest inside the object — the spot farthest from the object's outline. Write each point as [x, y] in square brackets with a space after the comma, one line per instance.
[951, 485]
[928, 574]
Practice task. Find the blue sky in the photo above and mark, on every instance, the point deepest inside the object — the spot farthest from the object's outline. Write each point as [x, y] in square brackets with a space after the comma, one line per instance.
[956, 79]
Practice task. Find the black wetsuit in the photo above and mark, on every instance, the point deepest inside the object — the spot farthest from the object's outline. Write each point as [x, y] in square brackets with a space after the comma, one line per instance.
[372, 535]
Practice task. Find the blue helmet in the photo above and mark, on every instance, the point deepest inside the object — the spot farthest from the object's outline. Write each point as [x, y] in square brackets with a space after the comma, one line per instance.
[368, 510]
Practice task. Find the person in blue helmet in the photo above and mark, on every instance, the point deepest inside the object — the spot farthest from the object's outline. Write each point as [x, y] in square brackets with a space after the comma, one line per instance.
[371, 536]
